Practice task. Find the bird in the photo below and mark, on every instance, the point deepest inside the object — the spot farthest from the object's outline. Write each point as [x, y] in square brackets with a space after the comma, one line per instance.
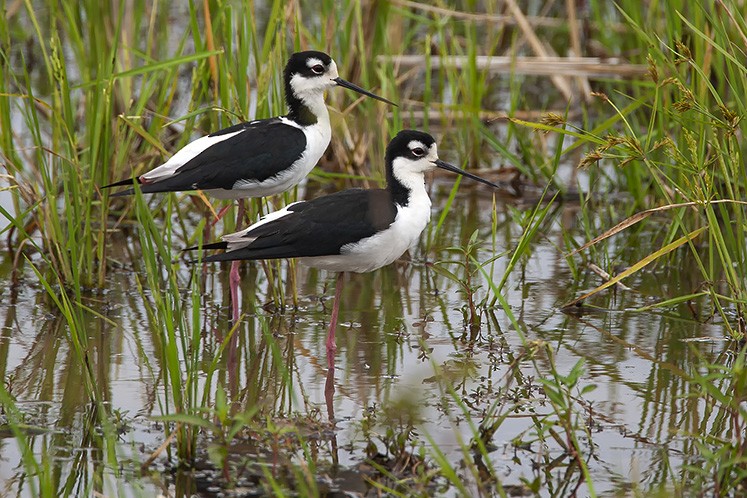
[353, 230]
[261, 157]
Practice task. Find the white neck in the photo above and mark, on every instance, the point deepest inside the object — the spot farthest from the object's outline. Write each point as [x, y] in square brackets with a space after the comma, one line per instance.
[413, 180]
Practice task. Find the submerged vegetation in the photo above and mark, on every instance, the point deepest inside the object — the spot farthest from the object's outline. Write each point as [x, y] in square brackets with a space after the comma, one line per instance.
[614, 258]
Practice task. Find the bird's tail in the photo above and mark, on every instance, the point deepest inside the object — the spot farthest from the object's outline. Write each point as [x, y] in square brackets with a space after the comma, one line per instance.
[214, 245]
[224, 256]
[207, 247]
[129, 191]
[127, 181]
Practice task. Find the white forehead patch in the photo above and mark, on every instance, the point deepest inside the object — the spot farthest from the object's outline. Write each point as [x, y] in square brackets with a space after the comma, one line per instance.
[313, 61]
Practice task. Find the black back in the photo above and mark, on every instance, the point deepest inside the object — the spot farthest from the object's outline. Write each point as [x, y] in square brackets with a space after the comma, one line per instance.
[319, 227]
[265, 148]
[261, 151]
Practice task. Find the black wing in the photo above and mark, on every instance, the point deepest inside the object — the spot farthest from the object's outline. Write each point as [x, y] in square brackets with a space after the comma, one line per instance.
[262, 150]
[319, 227]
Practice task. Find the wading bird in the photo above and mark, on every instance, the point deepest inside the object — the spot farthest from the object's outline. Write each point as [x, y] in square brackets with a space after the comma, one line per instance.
[261, 157]
[354, 230]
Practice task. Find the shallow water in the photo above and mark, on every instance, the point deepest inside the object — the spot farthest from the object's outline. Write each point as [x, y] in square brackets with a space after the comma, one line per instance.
[405, 359]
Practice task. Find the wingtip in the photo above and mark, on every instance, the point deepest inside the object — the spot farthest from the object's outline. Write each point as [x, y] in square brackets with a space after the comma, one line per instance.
[208, 247]
[123, 193]
[121, 183]
[215, 258]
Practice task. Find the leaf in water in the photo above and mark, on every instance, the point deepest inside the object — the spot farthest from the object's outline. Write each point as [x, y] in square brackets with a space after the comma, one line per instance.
[552, 393]
[221, 405]
[588, 389]
[575, 373]
[640, 264]
[632, 220]
[188, 419]
[217, 454]
[445, 273]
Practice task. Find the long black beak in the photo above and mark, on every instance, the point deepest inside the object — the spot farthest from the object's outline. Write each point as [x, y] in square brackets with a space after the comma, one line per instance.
[356, 88]
[449, 167]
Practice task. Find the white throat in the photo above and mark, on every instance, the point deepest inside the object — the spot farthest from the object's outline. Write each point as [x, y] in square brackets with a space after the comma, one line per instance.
[412, 179]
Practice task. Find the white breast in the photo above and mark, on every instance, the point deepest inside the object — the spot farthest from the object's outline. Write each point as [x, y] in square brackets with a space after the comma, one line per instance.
[384, 247]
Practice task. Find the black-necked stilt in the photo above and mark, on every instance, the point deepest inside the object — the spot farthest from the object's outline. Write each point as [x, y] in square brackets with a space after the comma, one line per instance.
[261, 157]
[354, 230]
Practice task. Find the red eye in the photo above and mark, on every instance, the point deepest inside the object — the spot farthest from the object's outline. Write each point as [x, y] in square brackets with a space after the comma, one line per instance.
[418, 152]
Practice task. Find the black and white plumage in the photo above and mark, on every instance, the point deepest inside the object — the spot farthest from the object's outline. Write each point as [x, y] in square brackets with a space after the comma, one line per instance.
[329, 232]
[354, 230]
[261, 157]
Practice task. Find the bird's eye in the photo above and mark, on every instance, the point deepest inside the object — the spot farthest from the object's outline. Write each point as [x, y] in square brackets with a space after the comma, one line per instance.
[318, 69]
[418, 152]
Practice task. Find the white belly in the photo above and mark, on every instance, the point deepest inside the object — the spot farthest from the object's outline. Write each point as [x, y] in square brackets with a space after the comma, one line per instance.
[381, 249]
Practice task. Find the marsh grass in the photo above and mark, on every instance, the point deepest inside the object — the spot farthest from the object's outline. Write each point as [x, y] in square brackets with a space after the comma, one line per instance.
[688, 154]
[85, 103]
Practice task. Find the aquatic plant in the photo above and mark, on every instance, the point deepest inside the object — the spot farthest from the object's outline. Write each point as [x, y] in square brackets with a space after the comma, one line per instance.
[649, 233]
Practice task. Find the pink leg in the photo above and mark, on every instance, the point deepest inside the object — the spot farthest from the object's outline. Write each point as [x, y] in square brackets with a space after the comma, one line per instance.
[331, 346]
[329, 393]
[233, 281]
[234, 278]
